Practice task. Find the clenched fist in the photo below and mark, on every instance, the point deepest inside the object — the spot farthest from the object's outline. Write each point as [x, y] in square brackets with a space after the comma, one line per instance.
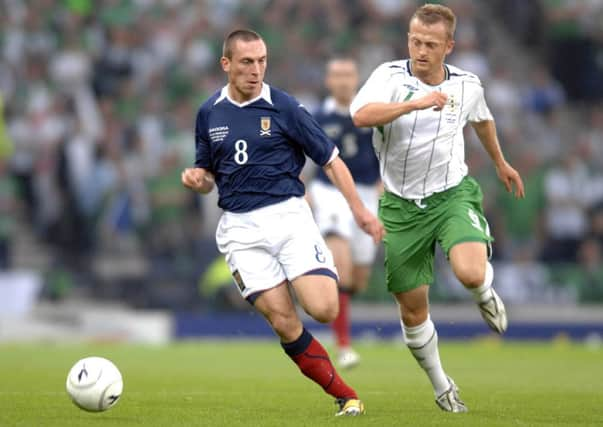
[198, 179]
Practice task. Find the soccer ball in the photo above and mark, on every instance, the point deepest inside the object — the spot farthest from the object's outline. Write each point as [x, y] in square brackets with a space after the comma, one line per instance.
[94, 384]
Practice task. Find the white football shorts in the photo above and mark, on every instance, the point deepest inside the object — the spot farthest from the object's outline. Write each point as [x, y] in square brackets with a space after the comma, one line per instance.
[268, 245]
[333, 216]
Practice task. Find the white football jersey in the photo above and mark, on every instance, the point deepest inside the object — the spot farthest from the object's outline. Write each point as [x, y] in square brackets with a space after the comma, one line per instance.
[422, 152]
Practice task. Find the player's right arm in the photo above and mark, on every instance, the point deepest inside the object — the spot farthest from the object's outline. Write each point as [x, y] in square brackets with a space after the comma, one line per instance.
[198, 179]
[382, 113]
[376, 103]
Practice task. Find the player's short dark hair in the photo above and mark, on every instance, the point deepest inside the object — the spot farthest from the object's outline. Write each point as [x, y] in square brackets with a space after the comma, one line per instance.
[433, 13]
[241, 34]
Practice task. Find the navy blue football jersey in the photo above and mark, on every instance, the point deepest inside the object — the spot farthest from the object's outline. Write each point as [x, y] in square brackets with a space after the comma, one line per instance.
[256, 150]
[355, 144]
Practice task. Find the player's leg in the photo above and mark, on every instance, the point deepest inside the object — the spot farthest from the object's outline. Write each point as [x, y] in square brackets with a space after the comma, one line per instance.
[317, 294]
[363, 249]
[409, 257]
[308, 264]
[340, 248]
[347, 357]
[470, 264]
[421, 338]
[465, 237]
[468, 261]
[334, 220]
[361, 274]
[276, 306]
[360, 254]
[261, 280]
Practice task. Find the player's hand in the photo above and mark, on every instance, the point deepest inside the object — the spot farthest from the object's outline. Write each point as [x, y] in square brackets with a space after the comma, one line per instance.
[510, 178]
[435, 99]
[369, 223]
[198, 179]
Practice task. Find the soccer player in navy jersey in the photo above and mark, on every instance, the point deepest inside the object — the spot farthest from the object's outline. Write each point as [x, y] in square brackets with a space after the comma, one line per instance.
[251, 140]
[353, 250]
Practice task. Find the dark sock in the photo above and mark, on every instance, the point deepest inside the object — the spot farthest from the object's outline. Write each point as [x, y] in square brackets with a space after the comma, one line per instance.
[315, 364]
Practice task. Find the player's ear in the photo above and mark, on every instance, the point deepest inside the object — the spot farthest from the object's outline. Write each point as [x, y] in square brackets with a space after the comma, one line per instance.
[449, 46]
[225, 62]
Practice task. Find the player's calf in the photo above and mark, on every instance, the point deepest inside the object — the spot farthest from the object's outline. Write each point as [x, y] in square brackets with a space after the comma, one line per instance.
[314, 362]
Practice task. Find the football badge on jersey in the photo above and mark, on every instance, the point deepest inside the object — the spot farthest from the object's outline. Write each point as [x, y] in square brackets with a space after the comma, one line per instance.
[451, 109]
[452, 102]
[265, 126]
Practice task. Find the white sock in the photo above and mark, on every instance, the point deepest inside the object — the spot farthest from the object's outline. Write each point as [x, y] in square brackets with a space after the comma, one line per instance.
[422, 341]
[484, 292]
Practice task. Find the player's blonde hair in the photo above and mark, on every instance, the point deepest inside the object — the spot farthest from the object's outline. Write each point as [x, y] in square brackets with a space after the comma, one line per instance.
[431, 13]
[233, 36]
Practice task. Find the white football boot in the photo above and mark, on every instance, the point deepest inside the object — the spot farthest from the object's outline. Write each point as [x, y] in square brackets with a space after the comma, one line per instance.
[494, 313]
[450, 401]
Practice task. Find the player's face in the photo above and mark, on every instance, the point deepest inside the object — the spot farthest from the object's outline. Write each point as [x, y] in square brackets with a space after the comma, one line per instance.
[342, 80]
[246, 69]
[428, 46]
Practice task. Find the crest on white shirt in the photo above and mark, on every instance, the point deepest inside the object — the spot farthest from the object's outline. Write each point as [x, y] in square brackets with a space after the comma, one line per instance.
[451, 109]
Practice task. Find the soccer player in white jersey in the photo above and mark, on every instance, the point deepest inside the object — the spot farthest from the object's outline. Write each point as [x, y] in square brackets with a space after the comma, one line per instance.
[419, 107]
[252, 141]
[353, 250]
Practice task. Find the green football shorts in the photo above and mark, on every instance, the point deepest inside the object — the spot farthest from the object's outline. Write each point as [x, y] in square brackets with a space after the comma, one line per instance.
[413, 228]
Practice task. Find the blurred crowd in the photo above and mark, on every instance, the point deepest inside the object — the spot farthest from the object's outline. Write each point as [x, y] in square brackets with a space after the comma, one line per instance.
[99, 101]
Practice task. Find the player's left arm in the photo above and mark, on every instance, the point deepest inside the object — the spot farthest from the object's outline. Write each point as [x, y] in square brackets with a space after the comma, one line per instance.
[340, 176]
[316, 144]
[486, 132]
[306, 176]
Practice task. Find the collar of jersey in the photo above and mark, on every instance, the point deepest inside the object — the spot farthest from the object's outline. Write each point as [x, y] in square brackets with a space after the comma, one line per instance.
[264, 94]
[446, 74]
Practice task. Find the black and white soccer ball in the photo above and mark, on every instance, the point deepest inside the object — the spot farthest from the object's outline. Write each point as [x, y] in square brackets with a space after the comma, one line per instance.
[94, 384]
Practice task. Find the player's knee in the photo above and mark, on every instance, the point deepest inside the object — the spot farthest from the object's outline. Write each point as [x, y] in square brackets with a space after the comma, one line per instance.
[326, 312]
[471, 276]
[414, 317]
[284, 325]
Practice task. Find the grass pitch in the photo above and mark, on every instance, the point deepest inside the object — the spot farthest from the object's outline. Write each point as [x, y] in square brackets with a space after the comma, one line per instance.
[217, 383]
